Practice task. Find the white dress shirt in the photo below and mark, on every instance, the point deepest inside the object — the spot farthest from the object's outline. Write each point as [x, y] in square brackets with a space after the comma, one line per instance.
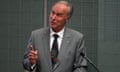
[59, 39]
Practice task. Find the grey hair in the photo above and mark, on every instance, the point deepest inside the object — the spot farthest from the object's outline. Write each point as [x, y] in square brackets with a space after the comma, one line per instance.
[70, 6]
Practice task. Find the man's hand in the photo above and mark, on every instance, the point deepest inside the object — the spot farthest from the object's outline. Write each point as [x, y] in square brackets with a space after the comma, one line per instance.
[33, 55]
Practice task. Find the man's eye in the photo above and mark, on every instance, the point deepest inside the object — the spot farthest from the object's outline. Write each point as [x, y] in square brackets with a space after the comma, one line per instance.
[59, 14]
[53, 12]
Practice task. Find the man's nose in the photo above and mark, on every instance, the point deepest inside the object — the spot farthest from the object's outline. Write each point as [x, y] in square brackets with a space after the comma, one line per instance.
[53, 17]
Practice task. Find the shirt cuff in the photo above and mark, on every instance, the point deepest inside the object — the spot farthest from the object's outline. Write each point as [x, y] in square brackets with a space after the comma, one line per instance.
[33, 66]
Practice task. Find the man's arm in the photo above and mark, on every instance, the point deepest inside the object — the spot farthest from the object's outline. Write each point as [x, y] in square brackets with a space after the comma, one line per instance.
[26, 63]
[30, 57]
[80, 64]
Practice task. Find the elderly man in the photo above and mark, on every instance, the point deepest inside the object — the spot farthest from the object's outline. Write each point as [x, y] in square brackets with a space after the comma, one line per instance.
[56, 48]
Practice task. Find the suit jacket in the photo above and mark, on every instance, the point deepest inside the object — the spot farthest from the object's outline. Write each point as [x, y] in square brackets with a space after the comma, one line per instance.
[69, 58]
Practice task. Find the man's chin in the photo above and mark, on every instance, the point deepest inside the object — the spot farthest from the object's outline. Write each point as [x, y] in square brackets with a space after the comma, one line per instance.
[53, 26]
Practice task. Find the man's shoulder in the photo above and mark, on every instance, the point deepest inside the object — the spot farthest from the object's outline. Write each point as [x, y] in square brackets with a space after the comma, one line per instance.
[74, 32]
[40, 30]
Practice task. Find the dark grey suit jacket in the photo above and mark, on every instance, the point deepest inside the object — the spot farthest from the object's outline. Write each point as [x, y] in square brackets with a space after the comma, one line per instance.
[69, 58]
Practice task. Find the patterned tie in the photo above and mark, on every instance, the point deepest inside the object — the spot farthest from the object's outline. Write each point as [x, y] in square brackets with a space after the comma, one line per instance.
[54, 51]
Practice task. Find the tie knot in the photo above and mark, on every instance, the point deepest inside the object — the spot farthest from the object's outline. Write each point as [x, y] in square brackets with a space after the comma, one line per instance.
[55, 35]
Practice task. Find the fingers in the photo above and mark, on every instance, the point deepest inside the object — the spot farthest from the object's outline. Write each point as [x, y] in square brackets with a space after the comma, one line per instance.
[33, 56]
[32, 52]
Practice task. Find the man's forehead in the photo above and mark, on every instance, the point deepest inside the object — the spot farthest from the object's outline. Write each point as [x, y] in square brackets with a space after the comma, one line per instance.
[60, 7]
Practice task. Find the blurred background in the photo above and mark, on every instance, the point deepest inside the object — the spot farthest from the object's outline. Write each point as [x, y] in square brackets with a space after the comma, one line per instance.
[98, 20]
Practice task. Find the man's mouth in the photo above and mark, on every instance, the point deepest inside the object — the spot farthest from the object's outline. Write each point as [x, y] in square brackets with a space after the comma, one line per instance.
[53, 23]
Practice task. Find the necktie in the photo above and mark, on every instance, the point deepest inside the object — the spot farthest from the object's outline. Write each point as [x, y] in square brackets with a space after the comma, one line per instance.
[54, 50]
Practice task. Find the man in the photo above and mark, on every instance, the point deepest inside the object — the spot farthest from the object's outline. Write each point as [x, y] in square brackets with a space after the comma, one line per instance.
[56, 48]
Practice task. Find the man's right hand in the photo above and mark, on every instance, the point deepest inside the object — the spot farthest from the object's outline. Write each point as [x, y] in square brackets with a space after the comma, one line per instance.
[33, 55]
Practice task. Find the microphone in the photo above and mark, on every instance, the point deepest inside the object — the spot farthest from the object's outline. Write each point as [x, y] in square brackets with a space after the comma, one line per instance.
[83, 55]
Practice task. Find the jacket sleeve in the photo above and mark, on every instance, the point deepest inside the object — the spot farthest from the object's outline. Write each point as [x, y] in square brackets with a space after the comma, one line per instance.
[26, 64]
[80, 64]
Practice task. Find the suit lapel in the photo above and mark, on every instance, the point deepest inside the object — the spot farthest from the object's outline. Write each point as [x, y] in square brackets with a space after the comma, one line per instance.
[46, 40]
[65, 42]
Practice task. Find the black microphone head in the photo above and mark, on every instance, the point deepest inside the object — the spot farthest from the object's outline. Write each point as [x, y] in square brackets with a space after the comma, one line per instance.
[82, 54]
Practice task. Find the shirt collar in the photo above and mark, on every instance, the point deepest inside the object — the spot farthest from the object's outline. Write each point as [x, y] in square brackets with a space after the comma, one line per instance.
[60, 33]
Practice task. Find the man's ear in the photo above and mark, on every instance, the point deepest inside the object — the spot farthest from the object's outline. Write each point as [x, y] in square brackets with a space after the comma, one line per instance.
[67, 18]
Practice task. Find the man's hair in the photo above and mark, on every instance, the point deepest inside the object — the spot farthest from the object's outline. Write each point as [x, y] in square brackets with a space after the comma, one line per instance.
[69, 5]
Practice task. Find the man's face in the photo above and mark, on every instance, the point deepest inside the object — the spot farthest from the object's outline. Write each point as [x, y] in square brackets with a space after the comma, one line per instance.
[58, 17]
